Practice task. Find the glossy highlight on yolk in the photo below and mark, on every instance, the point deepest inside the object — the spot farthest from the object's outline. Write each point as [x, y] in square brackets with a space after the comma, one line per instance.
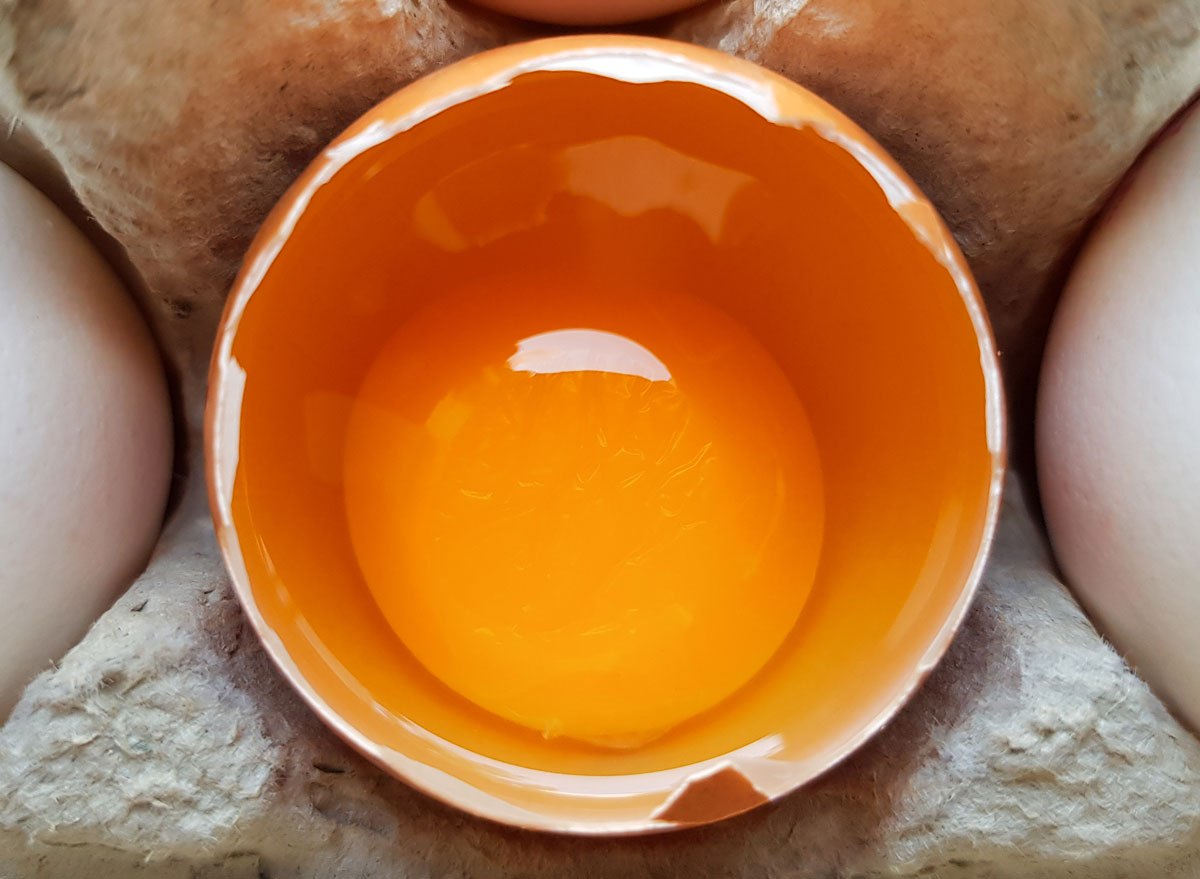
[595, 513]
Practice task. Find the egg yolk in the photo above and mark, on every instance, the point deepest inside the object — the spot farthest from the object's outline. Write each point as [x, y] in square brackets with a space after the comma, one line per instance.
[594, 513]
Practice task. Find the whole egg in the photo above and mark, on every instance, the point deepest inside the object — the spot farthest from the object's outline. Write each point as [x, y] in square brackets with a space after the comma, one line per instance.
[85, 436]
[1118, 429]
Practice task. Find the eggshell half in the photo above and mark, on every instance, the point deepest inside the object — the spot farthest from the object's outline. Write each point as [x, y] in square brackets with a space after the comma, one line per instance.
[1118, 428]
[859, 273]
[85, 436]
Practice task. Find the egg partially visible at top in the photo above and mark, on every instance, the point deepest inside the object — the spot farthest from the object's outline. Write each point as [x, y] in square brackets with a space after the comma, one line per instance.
[1118, 429]
[85, 436]
[587, 12]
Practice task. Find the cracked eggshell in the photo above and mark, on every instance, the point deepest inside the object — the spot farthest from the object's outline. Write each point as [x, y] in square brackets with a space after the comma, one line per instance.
[1118, 427]
[886, 604]
[85, 436]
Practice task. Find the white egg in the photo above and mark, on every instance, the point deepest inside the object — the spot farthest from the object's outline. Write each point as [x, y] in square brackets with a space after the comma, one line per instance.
[85, 436]
[1118, 429]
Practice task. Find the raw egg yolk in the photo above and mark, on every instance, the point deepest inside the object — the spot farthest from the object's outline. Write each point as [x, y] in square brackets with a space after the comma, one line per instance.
[593, 513]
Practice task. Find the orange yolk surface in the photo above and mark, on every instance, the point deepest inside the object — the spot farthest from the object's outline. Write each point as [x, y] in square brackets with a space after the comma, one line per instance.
[596, 513]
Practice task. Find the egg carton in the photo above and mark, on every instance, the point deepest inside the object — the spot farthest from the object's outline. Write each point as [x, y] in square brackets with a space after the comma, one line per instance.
[166, 743]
